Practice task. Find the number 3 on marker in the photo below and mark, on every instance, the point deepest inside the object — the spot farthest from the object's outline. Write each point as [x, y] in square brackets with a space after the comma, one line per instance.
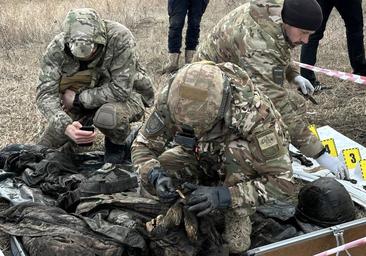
[351, 157]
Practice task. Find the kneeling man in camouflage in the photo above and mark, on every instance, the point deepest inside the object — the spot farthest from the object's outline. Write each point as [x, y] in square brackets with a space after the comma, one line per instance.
[90, 75]
[212, 128]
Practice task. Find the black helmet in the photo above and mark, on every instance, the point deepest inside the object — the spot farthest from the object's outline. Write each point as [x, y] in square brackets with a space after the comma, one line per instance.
[325, 202]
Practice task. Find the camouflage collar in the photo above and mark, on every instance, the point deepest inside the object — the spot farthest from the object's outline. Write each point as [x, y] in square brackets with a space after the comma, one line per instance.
[267, 15]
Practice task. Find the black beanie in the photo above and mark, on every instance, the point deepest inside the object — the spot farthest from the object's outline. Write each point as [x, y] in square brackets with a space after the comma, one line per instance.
[303, 14]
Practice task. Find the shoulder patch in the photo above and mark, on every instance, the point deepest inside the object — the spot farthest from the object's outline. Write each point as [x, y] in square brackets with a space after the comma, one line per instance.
[154, 124]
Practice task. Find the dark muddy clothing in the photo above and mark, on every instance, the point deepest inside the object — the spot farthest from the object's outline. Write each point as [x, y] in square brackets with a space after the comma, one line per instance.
[51, 231]
[66, 177]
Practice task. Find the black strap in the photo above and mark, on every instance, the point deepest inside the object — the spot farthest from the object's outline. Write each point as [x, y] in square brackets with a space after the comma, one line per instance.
[95, 188]
[320, 153]
[225, 102]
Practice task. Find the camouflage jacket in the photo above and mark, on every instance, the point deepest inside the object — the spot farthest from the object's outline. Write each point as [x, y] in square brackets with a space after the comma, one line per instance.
[251, 37]
[249, 113]
[112, 72]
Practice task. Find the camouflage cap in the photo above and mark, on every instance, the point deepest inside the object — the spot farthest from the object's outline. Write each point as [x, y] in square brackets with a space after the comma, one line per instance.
[84, 29]
[195, 96]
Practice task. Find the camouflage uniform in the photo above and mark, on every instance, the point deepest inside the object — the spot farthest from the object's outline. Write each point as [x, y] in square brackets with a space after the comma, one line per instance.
[251, 36]
[113, 83]
[246, 150]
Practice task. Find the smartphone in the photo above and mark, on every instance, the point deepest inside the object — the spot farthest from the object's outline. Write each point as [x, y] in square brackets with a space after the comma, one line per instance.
[87, 128]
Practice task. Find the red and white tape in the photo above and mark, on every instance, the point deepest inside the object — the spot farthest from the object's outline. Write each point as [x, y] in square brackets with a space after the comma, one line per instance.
[344, 247]
[334, 73]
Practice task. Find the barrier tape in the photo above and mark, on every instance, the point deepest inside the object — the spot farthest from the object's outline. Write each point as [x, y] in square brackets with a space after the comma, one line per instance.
[344, 247]
[334, 73]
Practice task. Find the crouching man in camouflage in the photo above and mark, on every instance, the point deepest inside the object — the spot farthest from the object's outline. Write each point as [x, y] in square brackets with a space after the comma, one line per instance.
[90, 72]
[213, 128]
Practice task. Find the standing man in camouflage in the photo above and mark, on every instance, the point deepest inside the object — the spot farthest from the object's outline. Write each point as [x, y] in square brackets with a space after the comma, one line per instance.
[90, 72]
[225, 137]
[259, 36]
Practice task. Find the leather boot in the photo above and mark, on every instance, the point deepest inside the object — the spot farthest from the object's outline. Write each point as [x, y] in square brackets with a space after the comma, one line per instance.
[172, 65]
[114, 153]
[120, 154]
[188, 56]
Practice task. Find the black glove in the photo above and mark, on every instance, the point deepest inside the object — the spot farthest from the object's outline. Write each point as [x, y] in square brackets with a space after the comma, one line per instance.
[206, 199]
[163, 185]
[77, 105]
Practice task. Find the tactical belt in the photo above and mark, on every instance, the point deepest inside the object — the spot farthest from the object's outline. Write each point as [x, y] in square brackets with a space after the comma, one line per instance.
[69, 200]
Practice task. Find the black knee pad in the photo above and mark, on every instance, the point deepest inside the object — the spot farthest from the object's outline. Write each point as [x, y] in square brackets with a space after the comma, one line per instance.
[106, 117]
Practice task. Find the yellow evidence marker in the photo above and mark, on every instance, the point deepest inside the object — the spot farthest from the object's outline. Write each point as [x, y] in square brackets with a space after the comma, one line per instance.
[330, 146]
[351, 157]
[363, 168]
[313, 130]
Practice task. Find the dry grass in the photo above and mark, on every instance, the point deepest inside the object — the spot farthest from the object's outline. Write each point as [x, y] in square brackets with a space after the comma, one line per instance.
[27, 26]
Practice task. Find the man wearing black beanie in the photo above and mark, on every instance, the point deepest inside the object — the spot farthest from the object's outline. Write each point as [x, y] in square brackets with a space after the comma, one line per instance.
[300, 17]
[302, 14]
[258, 36]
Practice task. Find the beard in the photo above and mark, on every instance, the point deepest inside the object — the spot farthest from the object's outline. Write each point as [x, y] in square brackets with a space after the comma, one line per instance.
[288, 40]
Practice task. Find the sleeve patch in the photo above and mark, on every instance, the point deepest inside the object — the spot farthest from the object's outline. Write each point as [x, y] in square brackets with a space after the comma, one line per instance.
[154, 124]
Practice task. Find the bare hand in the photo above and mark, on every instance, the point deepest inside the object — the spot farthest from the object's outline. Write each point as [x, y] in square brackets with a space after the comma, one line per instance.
[79, 136]
[68, 100]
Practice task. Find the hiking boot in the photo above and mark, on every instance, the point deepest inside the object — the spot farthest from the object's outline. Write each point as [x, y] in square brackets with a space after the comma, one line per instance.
[114, 153]
[317, 86]
[188, 56]
[172, 65]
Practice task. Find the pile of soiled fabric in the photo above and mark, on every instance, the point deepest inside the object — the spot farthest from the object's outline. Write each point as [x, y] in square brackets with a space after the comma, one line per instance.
[73, 204]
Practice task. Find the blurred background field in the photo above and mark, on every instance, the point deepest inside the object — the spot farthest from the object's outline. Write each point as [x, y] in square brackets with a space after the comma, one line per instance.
[27, 26]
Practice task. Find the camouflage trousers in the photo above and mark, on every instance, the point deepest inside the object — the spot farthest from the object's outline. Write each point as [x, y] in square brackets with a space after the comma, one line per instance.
[112, 119]
[237, 162]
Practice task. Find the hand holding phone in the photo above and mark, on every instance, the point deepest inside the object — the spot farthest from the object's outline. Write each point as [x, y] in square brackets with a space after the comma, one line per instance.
[81, 135]
[89, 128]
